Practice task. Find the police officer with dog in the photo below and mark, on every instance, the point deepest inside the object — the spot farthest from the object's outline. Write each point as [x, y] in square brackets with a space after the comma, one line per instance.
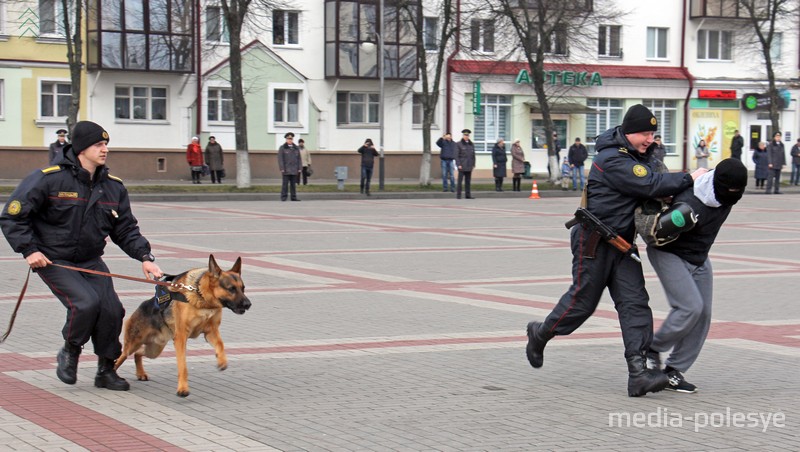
[62, 215]
[619, 179]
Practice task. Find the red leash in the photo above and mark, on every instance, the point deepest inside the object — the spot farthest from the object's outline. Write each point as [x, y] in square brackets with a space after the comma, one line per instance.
[178, 286]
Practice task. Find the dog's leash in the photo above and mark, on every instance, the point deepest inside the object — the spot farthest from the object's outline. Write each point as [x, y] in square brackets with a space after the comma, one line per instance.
[173, 285]
[16, 308]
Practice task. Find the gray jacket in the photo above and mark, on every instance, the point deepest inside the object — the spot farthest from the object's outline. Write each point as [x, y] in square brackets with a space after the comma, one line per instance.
[289, 159]
[776, 154]
[465, 155]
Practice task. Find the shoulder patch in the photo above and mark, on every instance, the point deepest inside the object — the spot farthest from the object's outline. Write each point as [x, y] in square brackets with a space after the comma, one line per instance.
[14, 207]
[115, 178]
[623, 150]
[51, 169]
[639, 170]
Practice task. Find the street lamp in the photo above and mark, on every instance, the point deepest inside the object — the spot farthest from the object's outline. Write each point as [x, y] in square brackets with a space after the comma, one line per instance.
[365, 45]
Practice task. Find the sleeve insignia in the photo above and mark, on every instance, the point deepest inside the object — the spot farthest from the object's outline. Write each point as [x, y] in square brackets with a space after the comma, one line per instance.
[14, 207]
[623, 150]
[639, 171]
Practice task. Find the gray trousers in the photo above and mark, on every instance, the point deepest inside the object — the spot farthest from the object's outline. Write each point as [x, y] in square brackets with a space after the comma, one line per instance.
[689, 291]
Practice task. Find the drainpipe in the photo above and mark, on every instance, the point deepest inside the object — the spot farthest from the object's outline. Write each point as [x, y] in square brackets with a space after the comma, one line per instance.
[199, 98]
[690, 79]
[449, 90]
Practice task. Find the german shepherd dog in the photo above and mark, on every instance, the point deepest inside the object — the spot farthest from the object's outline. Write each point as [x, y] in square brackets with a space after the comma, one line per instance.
[188, 314]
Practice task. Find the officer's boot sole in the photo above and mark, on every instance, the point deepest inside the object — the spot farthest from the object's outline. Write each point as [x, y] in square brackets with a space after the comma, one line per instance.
[535, 348]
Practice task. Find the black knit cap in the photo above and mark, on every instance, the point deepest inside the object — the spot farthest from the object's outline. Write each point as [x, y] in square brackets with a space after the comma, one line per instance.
[639, 119]
[730, 179]
[85, 134]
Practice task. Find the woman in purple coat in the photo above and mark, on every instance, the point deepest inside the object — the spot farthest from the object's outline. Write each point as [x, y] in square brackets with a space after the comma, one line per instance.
[762, 169]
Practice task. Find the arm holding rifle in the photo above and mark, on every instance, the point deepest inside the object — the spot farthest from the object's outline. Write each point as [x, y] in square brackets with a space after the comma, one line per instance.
[601, 231]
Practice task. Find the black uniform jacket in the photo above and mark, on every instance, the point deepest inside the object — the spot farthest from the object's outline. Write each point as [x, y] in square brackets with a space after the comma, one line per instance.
[60, 212]
[693, 245]
[620, 178]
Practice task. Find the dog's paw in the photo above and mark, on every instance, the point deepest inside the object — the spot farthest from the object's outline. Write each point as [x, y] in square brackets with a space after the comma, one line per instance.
[183, 393]
[222, 366]
[142, 377]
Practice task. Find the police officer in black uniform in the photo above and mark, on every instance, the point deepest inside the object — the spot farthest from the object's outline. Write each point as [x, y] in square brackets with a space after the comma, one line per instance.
[618, 180]
[62, 215]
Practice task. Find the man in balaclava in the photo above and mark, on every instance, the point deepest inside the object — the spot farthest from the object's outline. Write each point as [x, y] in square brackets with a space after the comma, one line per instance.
[684, 268]
[619, 180]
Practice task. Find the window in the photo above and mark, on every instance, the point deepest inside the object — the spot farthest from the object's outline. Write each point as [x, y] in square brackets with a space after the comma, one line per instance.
[775, 48]
[140, 103]
[608, 41]
[557, 44]
[55, 99]
[494, 123]
[142, 35]
[657, 42]
[51, 18]
[216, 30]
[220, 104]
[714, 45]
[417, 110]
[285, 27]
[351, 41]
[287, 106]
[482, 35]
[357, 108]
[666, 112]
[2, 95]
[430, 33]
[609, 114]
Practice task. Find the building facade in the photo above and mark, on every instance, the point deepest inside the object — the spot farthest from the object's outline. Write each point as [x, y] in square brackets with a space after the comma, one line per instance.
[156, 73]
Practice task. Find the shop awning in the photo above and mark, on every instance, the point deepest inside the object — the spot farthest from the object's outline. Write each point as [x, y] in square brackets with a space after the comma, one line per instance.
[562, 108]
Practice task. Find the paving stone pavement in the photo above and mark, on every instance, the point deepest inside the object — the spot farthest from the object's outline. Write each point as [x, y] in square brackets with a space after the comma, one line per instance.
[399, 325]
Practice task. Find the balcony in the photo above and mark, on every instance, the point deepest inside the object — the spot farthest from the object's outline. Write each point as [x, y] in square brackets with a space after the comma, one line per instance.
[141, 35]
[352, 42]
[725, 9]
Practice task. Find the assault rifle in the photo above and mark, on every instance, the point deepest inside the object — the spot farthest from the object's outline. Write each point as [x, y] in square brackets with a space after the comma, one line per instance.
[592, 223]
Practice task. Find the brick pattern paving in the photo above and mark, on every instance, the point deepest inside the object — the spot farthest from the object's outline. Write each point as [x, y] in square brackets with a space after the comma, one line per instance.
[399, 325]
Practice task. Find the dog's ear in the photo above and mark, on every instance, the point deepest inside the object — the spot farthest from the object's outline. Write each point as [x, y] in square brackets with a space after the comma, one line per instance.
[237, 266]
[213, 268]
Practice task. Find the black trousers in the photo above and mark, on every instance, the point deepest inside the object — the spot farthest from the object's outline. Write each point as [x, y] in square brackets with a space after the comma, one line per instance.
[466, 178]
[94, 311]
[216, 176]
[289, 184]
[625, 281]
[305, 175]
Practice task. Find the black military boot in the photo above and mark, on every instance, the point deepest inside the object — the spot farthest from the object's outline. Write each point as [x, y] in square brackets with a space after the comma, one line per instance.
[642, 380]
[107, 377]
[67, 358]
[537, 339]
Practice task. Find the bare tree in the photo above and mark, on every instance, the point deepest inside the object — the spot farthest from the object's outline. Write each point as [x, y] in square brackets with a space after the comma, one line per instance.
[546, 27]
[430, 65]
[73, 34]
[764, 18]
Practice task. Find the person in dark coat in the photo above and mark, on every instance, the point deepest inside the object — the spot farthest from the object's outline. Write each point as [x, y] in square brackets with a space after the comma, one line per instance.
[685, 271]
[368, 154]
[499, 160]
[618, 181]
[447, 157]
[194, 157]
[290, 164]
[576, 156]
[737, 144]
[57, 147]
[761, 160]
[465, 162]
[659, 151]
[795, 152]
[215, 160]
[776, 160]
[63, 215]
